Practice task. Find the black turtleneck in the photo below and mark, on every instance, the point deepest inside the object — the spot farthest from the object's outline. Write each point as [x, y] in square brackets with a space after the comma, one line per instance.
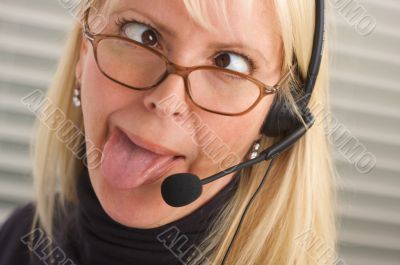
[88, 236]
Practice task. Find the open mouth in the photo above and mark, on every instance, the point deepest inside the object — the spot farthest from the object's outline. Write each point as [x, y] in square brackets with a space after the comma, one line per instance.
[126, 165]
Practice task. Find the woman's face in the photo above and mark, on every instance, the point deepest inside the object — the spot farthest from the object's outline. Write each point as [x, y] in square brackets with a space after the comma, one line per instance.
[128, 180]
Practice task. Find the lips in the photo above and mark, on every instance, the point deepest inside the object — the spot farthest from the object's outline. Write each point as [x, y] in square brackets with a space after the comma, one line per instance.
[127, 163]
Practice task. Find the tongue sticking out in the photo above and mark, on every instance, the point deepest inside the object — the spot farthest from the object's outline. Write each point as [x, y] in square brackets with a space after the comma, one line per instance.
[126, 165]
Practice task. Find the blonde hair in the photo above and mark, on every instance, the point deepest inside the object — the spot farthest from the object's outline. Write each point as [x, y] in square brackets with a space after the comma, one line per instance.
[297, 200]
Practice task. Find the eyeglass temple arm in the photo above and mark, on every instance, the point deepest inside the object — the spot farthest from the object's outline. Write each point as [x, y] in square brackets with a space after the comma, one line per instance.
[86, 30]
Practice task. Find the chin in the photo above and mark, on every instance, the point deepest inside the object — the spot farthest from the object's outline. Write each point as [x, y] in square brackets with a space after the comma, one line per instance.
[141, 207]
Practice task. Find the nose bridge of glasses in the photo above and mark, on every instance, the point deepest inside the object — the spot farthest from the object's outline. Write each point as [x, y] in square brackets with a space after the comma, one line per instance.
[183, 71]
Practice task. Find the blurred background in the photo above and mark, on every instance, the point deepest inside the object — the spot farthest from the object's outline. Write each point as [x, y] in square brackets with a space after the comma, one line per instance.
[365, 100]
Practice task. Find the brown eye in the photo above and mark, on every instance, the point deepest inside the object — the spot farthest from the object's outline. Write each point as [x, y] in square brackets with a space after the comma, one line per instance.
[149, 38]
[222, 60]
[232, 61]
[140, 33]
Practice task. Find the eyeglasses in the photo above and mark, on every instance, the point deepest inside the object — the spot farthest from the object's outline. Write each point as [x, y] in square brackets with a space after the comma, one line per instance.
[141, 67]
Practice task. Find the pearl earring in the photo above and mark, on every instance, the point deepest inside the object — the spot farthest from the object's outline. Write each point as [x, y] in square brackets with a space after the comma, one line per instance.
[76, 99]
[255, 150]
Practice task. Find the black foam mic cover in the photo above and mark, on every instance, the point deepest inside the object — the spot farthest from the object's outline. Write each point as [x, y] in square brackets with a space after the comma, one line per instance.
[181, 189]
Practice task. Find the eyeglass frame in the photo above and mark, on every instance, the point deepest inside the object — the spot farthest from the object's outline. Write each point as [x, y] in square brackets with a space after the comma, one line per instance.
[182, 71]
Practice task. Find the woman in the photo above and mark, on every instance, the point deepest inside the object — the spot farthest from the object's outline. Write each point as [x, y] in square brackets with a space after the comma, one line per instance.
[101, 204]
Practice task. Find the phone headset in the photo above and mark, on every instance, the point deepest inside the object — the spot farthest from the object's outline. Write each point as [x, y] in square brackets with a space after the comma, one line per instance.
[183, 188]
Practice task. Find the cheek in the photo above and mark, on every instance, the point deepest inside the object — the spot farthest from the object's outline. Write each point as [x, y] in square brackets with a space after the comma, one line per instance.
[237, 133]
[247, 125]
[96, 87]
[100, 97]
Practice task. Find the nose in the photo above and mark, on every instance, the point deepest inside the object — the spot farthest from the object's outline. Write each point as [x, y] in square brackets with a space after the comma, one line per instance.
[168, 98]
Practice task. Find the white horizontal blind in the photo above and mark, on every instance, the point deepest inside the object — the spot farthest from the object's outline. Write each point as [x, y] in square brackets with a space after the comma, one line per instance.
[366, 101]
[365, 97]
[31, 37]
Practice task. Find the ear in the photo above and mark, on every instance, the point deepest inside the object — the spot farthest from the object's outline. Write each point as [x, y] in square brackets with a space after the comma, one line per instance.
[83, 50]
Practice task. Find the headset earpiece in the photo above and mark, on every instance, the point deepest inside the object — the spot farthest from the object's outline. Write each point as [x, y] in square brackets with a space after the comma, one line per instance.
[281, 119]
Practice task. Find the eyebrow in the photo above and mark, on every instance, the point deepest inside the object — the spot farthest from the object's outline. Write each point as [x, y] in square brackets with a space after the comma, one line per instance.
[149, 19]
[215, 45]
